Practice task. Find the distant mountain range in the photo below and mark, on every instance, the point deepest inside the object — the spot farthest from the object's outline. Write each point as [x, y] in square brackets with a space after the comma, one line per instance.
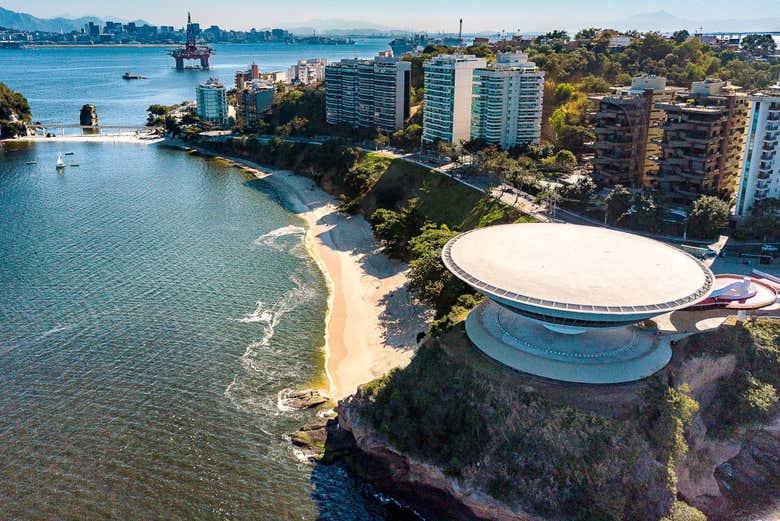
[28, 22]
[652, 21]
[336, 26]
[667, 22]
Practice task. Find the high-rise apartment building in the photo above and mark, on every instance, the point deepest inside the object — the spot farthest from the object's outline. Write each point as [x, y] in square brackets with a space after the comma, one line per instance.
[449, 85]
[506, 107]
[254, 99]
[212, 102]
[760, 179]
[307, 72]
[628, 125]
[368, 93]
[704, 137]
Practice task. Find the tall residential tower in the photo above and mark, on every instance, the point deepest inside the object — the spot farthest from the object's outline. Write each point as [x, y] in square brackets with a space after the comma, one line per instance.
[629, 131]
[447, 111]
[506, 107]
[212, 102]
[704, 138]
[368, 93]
[761, 169]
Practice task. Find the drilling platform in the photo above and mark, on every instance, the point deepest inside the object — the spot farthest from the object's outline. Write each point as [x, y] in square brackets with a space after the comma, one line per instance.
[191, 50]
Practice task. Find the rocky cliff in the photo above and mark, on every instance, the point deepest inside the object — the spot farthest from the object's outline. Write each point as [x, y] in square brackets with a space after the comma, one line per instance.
[14, 113]
[555, 451]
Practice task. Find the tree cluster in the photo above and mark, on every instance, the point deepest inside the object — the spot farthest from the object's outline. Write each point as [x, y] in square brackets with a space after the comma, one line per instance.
[14, 112]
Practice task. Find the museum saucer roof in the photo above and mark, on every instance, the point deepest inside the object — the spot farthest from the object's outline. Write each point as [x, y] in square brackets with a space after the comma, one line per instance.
[577, 269]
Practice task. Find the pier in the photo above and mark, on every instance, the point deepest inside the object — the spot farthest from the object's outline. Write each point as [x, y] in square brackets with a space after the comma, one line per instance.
[59, 130]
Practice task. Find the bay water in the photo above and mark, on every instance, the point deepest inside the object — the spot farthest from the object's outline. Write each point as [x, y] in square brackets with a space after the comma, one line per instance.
[153, 306]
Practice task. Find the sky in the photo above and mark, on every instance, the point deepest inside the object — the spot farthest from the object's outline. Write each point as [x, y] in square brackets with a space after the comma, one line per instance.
[429, 15]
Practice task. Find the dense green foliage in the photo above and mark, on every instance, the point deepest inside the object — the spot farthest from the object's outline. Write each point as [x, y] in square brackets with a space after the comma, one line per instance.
[681, 61]
[759, 44]
[708, 216]
[751, 394]
[618, 203]
[417, 211]
[550, 459]
[666, 412]
[396, 229]
[436, 388]
[14, 112]
[763, 221]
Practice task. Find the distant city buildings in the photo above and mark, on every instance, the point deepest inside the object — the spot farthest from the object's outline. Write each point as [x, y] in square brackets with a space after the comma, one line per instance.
[628, 127]
[255, 98]
[449, 83]
[760, 178]
[212, 102]
[368, 93]
[132, 33]
[307, 72]
[274, 76]
[507, 102]
[704, 136]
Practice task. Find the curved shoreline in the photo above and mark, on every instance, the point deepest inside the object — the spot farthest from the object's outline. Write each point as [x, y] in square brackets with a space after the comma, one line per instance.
[371, 321]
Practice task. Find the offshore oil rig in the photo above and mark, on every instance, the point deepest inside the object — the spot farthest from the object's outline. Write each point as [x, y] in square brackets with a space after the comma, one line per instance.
[191, 50]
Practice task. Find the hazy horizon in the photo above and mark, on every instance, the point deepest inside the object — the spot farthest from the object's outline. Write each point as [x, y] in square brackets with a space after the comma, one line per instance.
[434, 15]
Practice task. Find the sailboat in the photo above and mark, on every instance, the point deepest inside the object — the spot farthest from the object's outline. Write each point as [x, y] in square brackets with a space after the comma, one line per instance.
[60, 162]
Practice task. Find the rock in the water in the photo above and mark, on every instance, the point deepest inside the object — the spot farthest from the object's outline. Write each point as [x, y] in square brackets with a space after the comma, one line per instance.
[89, 116]
[322, 440]
[302, 399]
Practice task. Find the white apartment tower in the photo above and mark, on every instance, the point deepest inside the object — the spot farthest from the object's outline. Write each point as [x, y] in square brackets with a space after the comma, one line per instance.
[307, 72]
[760, 178]
[506, 109]
[368, 93]
[448, 94]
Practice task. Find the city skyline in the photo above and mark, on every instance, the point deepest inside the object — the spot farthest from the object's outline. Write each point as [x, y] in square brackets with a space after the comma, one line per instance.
[434, 16]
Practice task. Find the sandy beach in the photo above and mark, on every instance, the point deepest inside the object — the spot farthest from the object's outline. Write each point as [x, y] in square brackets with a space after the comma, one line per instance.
[373, 321]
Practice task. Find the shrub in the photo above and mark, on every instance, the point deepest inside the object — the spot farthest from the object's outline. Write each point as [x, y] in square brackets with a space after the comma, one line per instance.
[681, 511]
[707, 217]
[428, 410]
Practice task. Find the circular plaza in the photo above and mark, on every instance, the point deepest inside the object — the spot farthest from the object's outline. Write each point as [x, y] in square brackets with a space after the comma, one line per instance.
[564, 300]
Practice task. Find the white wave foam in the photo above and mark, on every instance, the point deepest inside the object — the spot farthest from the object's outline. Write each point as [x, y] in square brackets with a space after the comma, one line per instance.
[282, 400]
[260, 314]
[271, 239]
[241, 392]
[55, 330]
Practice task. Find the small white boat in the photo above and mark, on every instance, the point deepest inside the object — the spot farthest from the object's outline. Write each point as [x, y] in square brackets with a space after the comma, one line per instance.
[60, 162]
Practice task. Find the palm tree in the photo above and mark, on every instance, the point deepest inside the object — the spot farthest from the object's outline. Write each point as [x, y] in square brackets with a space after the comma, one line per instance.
[550, 198]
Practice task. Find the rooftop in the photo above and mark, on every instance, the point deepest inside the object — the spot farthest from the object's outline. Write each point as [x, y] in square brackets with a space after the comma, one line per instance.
[578, 268]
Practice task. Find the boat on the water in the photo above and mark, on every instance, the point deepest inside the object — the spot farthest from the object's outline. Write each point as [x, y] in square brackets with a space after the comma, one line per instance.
[60, 162]
[31, 162]
[130, 76]
[68, 153]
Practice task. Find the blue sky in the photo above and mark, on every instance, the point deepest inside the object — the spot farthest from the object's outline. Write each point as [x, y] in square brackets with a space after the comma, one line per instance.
[431, 15]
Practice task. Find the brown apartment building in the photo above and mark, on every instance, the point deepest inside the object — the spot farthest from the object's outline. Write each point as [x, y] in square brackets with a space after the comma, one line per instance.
[703, 141]
[629, 129]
